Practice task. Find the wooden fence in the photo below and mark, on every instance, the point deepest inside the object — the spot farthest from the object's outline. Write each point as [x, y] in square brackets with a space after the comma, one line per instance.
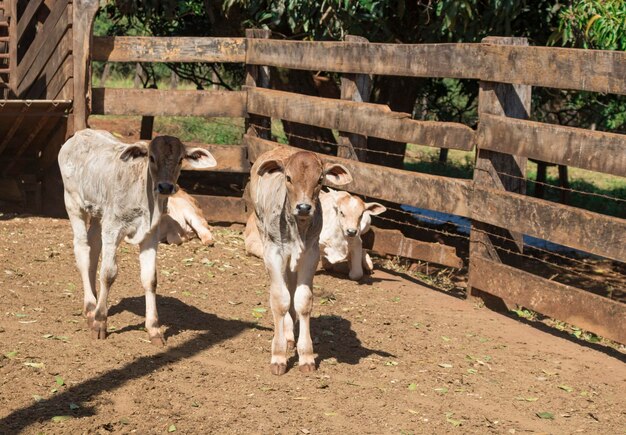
[494, 199]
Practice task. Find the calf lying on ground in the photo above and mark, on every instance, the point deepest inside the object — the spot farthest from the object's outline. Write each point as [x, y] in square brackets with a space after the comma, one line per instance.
[114, 191]
[184, 220]
[285, 187]
[346, 218]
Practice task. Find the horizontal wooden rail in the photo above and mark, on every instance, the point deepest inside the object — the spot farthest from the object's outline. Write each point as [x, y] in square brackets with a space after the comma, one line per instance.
[393, 242]
[169, 49]
[223, 208]
[592, 150]
[230, 158]
[569, 304]
[448, 195]
[355, 117]
[156, 102]
[580, 229]
[564, 68]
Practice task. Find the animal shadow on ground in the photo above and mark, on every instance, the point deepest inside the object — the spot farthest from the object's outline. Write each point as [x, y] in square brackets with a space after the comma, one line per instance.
[172, 311]
[176, 315]
[333, 337]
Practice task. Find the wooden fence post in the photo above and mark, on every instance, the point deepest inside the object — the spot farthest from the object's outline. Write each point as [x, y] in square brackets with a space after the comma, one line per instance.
[258, 76]
[84, 14]
[354, 87]
[499, 171]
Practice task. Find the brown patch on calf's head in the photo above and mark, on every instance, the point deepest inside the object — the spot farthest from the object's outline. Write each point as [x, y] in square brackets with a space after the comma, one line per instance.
[166, 156]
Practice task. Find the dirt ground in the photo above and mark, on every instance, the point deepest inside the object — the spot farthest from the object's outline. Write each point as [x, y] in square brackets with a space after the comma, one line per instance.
[394, 356]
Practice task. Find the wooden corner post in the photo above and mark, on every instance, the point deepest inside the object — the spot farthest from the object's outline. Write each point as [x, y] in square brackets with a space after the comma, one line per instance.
[84, 14]
[494, 170]
[258, 76]
[354, 87]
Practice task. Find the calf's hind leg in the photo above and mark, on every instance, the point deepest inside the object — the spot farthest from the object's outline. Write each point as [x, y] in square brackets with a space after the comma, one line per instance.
[108, 273]
[83, 254]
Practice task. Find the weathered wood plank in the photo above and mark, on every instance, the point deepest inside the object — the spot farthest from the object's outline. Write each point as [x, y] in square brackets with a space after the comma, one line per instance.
[169, 49]
[570, 226]
[43, 45]
[569, 304]
[448, 195]
[355, 117]
[394, 243]
[354, 87]
[84, 14]
[565, 68]
[258, 76]
[412, 60]
[41, 84]
[592, 150]
[155, 102]
[26, 18]
[223, 208]
[491, 170]
[230, 158]
[61, 84]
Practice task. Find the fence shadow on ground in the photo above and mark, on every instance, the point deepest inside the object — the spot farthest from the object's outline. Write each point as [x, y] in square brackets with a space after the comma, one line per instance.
[215, 330]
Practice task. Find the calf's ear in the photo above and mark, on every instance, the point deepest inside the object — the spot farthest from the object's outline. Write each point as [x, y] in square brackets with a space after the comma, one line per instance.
[198, 158]
[270, 166]
[337, 174]
[375, 208]
[134, 151]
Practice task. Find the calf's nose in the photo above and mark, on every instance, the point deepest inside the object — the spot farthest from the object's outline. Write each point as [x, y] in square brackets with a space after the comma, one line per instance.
[351, 232]
[303, 209]
[165, 188]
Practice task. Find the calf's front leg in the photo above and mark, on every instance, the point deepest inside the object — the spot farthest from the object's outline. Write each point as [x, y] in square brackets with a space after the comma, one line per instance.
[355, 255]
[147, 262]
[303, 304]
[279, 304]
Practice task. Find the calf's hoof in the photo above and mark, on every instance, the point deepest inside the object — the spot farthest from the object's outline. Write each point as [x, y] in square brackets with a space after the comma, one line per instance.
[157, 340]
[98, 329]
[207, 241]
[307, 367]
[278, 369]
[355, 276]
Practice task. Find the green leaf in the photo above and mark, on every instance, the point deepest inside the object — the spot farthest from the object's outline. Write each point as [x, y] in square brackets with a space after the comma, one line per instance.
[391, 363]
[59, 380]
[172, 428]
[445, 365]
[37, 398]
[441, 390]
[545, 415]
[472, 371]
[74, 406]
[47, 336]
[259, 310]
[444, 338]
[566, 388]
[61, 418]
[412, 386]
[11, 354]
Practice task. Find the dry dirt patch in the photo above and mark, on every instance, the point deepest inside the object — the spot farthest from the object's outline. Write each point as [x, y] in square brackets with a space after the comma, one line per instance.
[394, 356]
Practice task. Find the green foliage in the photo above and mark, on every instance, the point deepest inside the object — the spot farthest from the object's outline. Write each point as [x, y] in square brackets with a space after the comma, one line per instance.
[593, 24]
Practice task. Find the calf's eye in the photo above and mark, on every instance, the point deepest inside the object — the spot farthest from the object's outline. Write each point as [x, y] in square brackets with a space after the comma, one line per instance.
[152, 159]
[321, 180]
[288, 178]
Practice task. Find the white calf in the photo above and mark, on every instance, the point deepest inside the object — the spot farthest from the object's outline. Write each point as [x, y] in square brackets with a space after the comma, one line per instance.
[114, 191]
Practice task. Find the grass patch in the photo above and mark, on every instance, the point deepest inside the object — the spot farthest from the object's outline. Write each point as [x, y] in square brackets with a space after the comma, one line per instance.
[207, 130]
